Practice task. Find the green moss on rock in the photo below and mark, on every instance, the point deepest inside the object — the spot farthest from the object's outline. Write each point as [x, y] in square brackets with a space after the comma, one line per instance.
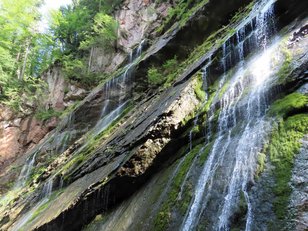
[164, 215]
[291, 102]
[92, 145]
[286, 66]
[284, 145]
[201, 95]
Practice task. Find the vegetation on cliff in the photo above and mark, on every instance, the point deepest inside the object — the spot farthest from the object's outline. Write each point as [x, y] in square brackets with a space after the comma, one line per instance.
[26, 51]
[199, 125]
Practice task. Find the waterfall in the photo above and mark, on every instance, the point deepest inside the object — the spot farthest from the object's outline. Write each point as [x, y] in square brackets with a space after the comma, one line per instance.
[27, 216]
[232, 161]
[47, 188]
[116, 93]
[109, 118]
[115, 101]
[191, 133]
[25, 171]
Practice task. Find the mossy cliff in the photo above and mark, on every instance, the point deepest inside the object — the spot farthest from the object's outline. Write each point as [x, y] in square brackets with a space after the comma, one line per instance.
[130, 156]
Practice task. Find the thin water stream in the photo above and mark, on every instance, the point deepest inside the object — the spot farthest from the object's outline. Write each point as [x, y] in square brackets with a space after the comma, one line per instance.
[116, 99]
[242, 130]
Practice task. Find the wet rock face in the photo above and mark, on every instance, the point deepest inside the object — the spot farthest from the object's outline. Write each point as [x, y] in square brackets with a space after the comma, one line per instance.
[19, 133]
[160, 122]
[17, 136]
[139, 147]
[298, 207]
[262, 197]
[9, 145]
[161, 132]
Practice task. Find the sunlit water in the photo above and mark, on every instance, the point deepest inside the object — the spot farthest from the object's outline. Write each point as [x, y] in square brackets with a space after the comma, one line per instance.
[242, 131]
[116, 92]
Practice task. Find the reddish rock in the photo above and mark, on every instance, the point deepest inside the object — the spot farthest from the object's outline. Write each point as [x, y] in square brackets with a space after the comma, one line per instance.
[5, 113]
[146, 2]
[36, 134]
[19, 135]
[9, 145]
[51, 123]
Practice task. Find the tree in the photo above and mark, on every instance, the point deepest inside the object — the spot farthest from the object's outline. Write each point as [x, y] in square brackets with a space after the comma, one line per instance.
[105, 30]
[70, 25]
[17, 20]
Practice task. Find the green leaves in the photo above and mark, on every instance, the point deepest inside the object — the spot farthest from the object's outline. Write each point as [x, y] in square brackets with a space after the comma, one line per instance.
[26, 52]
[18, 43]
[164, 74]
[104, 33]
[284, 145]
[72, 68]
[6, 61]
[155, 77]
[70, 25]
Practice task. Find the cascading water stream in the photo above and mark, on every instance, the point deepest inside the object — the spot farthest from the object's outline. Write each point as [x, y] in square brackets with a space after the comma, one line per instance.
[112, 106]
[116, 99]
[47, 188]
[25, 171]
[232, 159]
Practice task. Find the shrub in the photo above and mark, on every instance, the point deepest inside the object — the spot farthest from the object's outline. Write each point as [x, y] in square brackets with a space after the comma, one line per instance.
[154, 76]
[46, 114]
[165, 74]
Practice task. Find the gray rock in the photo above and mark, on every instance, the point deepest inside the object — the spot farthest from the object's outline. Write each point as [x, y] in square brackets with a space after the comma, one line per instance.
[299, 183]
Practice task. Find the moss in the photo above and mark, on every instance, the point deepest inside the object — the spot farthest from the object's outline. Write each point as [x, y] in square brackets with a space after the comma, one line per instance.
[205, 153]
[239, 216]
[9, 198]
[201, 95]
[45, 205]
[37, 172]
[164, 215]
[95, 223]
[261, 163]
[213, 41]
[283, 107]
[188, 118]
[39, 210]
[224, 89]
[196, 129]
[240, 14]
[235, 229]
[186, 199]
[47, 114]
[217, 38]
[284, 145]
[92, 144]
[286, 66]
[70, 108]
[180, 13]
[208, 104]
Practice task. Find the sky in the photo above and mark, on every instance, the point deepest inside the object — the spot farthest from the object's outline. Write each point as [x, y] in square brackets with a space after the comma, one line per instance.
[45, 9]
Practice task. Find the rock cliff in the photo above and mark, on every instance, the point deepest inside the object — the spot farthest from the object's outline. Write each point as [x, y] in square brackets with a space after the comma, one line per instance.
[215, 139]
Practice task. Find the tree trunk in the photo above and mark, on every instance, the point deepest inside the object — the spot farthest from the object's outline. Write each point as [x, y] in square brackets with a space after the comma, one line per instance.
[23, 70]
[90, 59]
